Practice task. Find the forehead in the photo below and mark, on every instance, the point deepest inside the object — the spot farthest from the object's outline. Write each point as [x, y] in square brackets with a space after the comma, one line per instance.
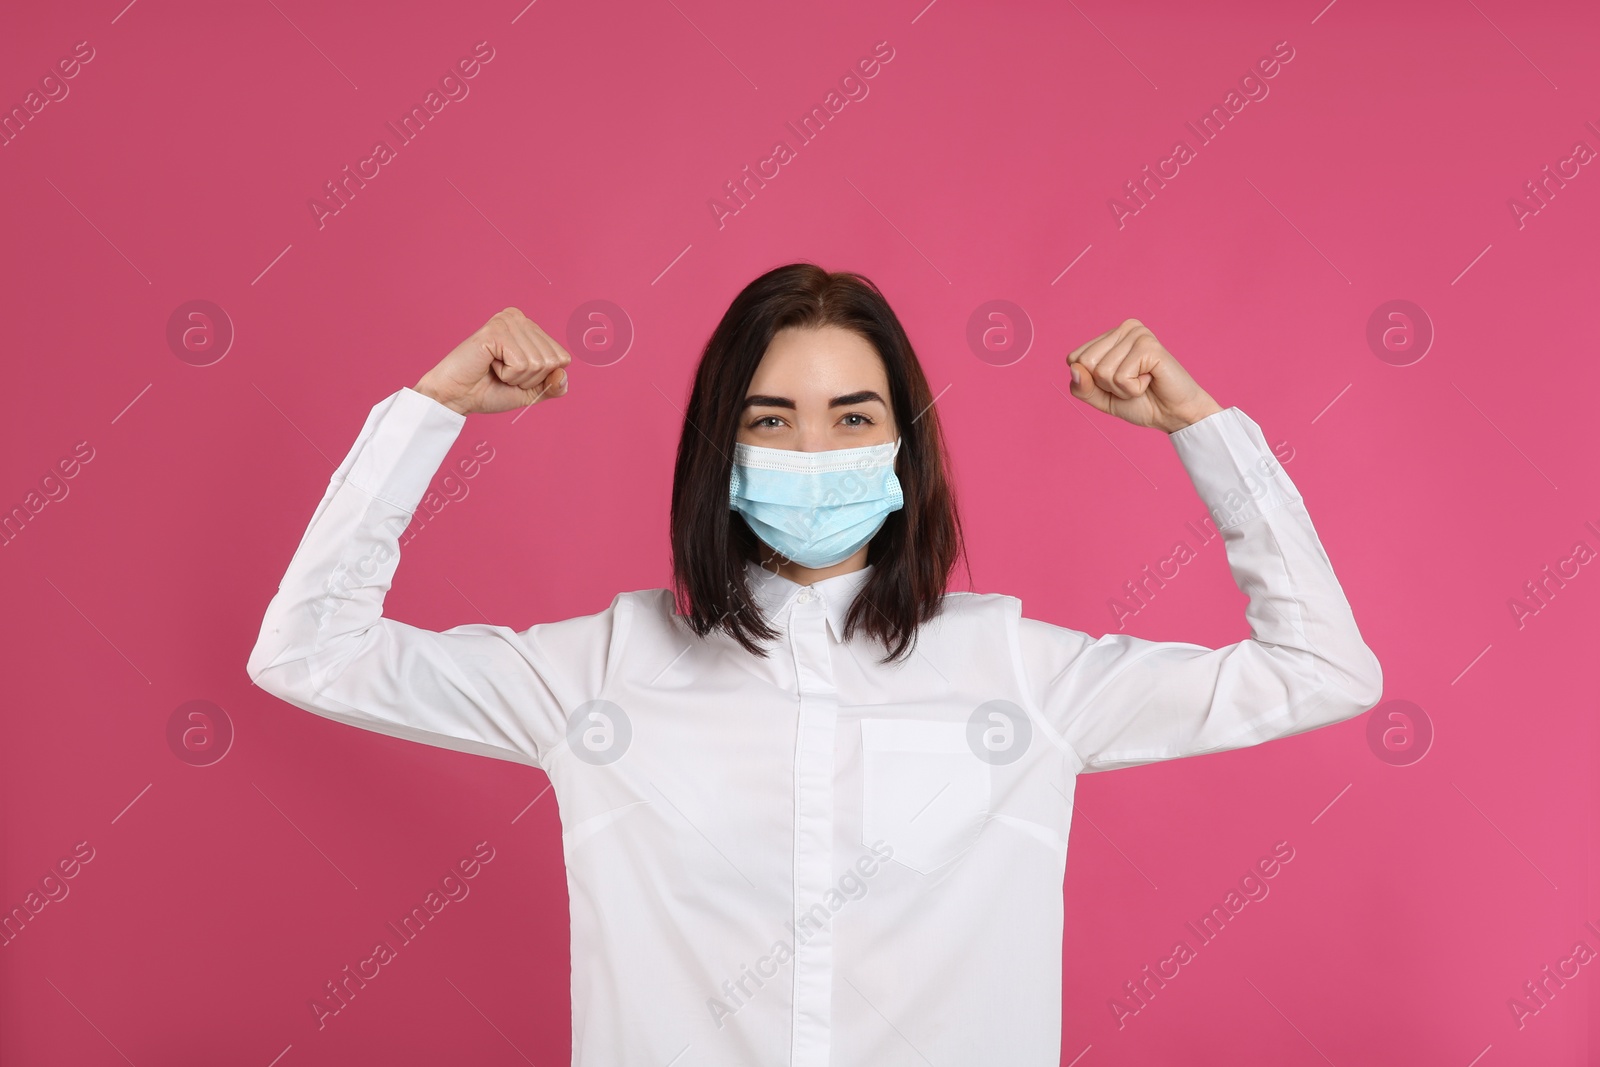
[825, 361]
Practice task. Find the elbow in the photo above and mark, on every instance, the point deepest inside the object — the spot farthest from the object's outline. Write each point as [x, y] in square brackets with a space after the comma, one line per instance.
[267, 653]
[1365, 681]
[295, 669]
[1343, 688]
[282, 677]
[1373, 690]
[256, 668]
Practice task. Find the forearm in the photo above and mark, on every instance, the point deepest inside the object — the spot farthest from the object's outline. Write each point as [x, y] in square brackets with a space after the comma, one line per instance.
[334, 587]
[1298, 612]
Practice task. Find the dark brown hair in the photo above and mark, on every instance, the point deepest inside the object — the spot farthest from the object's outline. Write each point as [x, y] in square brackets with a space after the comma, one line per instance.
[916, 549]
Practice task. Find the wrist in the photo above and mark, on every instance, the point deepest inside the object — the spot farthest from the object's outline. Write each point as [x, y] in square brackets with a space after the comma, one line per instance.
[1193, 414]
[426, 388]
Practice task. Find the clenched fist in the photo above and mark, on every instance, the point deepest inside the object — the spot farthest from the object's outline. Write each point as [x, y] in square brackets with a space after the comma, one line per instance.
[507, 364]
[1125, 372]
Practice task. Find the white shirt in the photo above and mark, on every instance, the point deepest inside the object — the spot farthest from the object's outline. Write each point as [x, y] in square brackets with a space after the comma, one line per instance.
[812, 859]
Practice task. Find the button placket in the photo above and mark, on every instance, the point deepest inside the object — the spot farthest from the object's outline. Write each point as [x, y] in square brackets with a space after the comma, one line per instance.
[813, 829]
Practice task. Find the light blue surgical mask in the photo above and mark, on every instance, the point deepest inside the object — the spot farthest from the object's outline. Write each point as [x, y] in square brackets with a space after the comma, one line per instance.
[815, 508]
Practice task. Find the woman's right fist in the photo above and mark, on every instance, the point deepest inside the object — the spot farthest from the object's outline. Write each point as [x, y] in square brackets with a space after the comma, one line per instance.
[507, 364]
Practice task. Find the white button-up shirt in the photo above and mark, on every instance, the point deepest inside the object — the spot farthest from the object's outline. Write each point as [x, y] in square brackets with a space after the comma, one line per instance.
[812, 858]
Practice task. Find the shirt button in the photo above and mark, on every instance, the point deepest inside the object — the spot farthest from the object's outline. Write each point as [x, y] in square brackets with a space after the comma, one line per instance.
[805, 596]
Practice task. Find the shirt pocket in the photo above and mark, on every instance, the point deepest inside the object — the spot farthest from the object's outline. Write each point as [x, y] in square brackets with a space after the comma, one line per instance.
[924, 791]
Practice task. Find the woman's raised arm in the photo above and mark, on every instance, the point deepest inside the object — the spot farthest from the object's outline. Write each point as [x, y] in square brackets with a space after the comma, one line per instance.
[324, 644]
[1121, 700]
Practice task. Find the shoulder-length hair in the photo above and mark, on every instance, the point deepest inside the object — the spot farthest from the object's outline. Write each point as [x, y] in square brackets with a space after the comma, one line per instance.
[916, 549]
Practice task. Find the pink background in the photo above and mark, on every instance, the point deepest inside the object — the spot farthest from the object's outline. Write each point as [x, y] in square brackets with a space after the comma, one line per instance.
[1381, 166]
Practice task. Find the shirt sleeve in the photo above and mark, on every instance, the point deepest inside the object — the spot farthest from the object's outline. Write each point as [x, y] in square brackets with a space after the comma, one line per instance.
[325, 646]
[1120, 700]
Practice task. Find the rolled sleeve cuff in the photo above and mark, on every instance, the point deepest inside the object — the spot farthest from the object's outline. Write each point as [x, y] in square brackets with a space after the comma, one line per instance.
[1232, 467]
[406, 438]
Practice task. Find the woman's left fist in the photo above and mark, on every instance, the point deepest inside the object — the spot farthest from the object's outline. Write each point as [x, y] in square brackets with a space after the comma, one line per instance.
[1125, 372]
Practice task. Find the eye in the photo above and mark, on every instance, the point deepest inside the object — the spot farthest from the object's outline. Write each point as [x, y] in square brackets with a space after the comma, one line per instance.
[866, 420]
[763, 418]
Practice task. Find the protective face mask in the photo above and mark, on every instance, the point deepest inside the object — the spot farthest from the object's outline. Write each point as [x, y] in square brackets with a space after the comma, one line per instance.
[815, 508]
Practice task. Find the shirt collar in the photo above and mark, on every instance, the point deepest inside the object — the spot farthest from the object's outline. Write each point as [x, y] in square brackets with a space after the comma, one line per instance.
[774, 593]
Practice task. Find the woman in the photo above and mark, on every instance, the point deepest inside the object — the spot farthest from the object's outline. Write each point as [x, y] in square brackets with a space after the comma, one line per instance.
[815, 809]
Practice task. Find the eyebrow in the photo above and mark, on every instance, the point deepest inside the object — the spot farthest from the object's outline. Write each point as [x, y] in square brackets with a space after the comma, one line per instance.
[847, 400]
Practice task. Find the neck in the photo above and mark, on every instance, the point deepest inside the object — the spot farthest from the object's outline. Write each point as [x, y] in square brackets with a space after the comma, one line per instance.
[810, 575]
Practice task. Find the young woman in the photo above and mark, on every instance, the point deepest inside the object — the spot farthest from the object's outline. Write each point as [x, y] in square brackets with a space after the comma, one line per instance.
[815, 808]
